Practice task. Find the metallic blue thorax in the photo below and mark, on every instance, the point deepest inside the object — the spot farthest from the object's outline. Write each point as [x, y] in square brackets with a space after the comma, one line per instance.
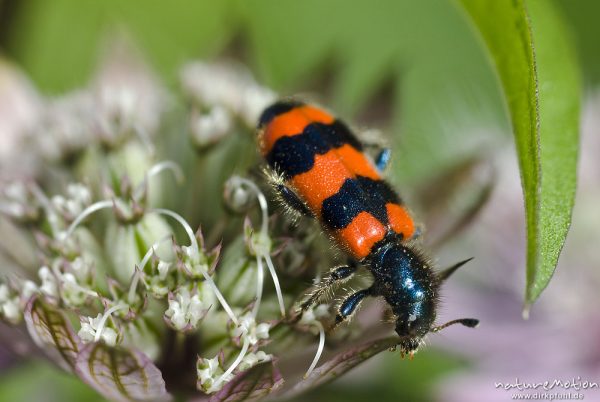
[407, 284]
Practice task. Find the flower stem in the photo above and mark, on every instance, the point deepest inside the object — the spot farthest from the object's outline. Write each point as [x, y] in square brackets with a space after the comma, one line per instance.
[97, 206]
[235, 363]
[262, 201]
[276, 283]
[138, 273]
[156, 169]
[105, 318]
[319, 349]
[259, 285]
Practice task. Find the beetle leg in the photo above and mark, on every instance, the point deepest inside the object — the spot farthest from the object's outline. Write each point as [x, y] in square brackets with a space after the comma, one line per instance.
[292, 201]
[350, 304]
[335, 277]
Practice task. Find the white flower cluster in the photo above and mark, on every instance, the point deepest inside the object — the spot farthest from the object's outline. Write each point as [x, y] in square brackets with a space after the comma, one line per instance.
[186, 309]
[249, 331]
[157, 284]
[115, 270]
[49, 285]
[67, 124]
[94, 329]
[9, 305]
[211, 374]
[228, 85]
[13, 299]
[71, 282]
[196, 264]
[14, 199]
[128, 95]
[223, 93]
[208, 371]
[77, 199]
[238, 193]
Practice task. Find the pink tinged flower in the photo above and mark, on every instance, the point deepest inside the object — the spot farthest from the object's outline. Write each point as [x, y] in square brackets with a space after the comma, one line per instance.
[121, 374]
[66, 124]
[20, 106]
[228, 85]
[127, 93]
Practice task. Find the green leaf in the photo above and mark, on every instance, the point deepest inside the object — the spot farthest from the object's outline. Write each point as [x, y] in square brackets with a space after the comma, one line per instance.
[121, 374]
[51, 331]
[559, 106]
[540, 79]
[58, 42]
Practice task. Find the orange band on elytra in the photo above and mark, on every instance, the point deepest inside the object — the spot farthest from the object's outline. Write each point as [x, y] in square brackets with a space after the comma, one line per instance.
[329, 173]
[357, 162]
[400, 220]
[291, 123]
[322, 181]
[361, 234]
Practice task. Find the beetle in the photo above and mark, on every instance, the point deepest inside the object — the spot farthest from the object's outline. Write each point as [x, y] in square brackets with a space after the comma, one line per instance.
[320, 169]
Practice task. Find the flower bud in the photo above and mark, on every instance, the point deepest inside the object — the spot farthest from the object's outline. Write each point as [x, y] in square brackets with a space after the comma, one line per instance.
[208, 129]
[10, 309]
[208, 370]
[238, 197]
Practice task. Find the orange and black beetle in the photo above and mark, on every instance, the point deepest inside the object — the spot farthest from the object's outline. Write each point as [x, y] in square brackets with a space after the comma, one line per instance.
[323, 172]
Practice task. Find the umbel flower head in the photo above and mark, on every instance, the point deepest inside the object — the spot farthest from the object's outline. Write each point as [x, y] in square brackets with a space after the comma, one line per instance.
[104, 263]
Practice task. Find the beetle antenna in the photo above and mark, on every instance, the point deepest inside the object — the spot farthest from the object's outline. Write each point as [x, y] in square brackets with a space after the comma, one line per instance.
[467, 322]
[443, 275]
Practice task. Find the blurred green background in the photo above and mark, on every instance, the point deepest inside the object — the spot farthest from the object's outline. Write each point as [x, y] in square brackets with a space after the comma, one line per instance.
[414, 68]
[415, 65]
